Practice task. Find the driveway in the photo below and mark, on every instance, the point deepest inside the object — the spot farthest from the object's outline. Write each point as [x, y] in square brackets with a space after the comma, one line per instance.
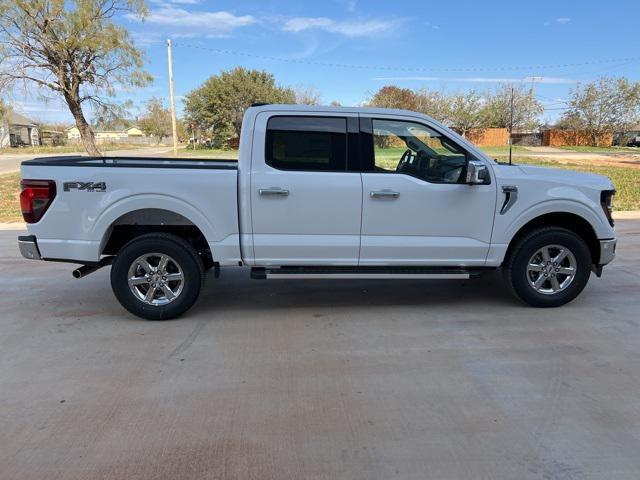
[11, 162]
[315, 379]
[623, 158]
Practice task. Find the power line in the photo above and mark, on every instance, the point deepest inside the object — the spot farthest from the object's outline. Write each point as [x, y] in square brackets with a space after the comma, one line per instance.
[405, 69]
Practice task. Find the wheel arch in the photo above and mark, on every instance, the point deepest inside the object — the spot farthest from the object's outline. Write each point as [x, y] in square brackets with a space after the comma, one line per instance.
[141, 221]
[570, 221]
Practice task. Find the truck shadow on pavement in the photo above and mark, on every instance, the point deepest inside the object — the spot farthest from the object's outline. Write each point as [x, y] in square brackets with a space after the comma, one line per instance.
[235, 291]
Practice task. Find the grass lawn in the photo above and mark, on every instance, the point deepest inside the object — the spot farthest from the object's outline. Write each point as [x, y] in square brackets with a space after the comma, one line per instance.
[602, 149]
[9, 201]
[502, 150]
[626, 180]
[43, 149]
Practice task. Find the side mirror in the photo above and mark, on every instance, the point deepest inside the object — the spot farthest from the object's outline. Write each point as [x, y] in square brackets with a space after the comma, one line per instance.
[477, 173]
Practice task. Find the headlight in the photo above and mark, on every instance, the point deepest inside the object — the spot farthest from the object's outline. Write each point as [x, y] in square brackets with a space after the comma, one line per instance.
[606, 201]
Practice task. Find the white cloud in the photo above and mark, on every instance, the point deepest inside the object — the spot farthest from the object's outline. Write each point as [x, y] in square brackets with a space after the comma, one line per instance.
[349, 28]
[558, 21]
[548, 80]
[183, 22]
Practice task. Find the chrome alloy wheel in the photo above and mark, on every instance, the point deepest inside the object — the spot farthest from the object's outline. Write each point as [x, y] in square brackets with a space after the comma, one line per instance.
[155, 279]
[551, 269]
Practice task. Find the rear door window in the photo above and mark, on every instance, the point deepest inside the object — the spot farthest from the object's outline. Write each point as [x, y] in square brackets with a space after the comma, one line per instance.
[307, 143]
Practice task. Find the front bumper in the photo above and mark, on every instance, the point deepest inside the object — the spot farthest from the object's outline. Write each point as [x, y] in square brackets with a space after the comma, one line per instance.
[607, 251]
[29, 247]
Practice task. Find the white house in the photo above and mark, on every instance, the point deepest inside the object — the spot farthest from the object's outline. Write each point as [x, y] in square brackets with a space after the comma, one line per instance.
[17, 130]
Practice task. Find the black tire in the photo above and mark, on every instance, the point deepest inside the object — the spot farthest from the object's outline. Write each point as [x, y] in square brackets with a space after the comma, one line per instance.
[181, 254]
[516, 273]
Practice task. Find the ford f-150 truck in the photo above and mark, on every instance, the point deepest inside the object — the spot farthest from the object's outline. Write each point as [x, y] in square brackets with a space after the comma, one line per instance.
[320, 192]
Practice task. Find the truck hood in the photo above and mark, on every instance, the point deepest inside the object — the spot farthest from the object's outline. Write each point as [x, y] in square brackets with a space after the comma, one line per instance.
[568, 177]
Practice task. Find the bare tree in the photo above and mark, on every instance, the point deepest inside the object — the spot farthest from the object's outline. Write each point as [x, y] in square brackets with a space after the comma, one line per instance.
[4, 109]
[434, 104]
[307, 95]
[604, 106]
[526, 109]
[466, 111]
[73, 49]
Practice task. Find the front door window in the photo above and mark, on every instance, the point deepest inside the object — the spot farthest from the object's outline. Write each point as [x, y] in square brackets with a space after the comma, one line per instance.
[414, 149]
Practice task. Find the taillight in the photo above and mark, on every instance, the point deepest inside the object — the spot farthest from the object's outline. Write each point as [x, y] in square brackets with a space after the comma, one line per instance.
[35, 198]
[606, 201]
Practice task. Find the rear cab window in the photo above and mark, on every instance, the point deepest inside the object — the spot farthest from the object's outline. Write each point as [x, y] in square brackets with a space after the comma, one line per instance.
[307, 143]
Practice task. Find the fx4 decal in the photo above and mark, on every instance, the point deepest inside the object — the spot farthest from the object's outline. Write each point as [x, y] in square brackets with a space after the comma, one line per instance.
[85, 186]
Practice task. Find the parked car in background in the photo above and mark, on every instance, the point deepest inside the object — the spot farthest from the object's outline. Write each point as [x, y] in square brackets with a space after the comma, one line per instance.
[320, 192]
[634, 141]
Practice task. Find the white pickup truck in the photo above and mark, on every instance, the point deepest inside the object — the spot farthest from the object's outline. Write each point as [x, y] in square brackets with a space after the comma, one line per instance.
[320, 192]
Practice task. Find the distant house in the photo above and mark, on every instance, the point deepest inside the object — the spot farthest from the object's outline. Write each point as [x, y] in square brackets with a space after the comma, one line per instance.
[18, 131]
[107, 135]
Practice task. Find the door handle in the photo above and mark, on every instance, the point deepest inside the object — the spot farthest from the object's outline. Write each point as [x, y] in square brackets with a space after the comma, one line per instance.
[384, 194]
[274, 191]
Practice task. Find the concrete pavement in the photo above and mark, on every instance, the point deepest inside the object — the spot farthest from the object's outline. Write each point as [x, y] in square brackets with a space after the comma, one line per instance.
[319, 380]
[11, 162]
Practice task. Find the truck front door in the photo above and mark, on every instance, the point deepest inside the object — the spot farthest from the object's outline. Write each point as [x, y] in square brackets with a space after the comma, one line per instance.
[416, 209]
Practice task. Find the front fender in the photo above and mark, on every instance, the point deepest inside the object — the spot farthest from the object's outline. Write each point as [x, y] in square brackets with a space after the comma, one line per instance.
[581, 209]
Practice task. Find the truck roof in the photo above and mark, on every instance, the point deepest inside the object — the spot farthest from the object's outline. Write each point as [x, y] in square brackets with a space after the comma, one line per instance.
[325, 108]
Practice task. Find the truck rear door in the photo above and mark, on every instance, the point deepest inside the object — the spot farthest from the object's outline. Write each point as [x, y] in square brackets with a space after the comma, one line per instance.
[305, 203]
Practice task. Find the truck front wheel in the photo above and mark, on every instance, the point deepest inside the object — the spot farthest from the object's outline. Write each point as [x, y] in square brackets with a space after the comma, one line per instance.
[548, 267]
[157, 276]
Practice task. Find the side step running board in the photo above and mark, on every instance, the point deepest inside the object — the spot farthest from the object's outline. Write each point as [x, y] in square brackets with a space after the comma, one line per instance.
[398, 273]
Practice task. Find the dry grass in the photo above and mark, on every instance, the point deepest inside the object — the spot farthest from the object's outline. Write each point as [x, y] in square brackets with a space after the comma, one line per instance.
[9, 200]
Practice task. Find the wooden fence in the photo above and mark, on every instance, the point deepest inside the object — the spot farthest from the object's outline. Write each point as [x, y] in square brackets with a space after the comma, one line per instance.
[573, 138]
[488, 137]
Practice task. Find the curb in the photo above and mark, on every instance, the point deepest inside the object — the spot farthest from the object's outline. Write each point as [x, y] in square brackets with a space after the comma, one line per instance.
[13, 226]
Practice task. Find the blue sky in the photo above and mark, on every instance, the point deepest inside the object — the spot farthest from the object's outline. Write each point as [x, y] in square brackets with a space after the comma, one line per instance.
[442, 45]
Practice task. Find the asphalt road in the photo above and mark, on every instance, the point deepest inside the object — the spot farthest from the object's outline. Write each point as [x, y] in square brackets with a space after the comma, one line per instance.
[11, 162]
[319, 380]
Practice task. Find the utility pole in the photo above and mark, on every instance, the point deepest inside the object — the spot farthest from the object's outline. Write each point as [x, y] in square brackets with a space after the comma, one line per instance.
[174, 127]
[511, 128]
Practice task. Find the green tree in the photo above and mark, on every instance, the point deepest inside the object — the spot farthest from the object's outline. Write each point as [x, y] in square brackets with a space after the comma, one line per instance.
[220, 102]
[73, 49]
[526, 109]
[156, 119]
[391, 96]
[604, 106]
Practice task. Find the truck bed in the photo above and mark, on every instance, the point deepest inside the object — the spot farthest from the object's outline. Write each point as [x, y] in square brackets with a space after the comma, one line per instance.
[97, 194]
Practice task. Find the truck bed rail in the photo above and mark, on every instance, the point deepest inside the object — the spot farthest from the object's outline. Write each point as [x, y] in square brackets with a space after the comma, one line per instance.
[133, 162]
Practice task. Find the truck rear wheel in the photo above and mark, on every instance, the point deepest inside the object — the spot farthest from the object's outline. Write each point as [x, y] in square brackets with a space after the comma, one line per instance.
[548, 267]
[157, 276]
